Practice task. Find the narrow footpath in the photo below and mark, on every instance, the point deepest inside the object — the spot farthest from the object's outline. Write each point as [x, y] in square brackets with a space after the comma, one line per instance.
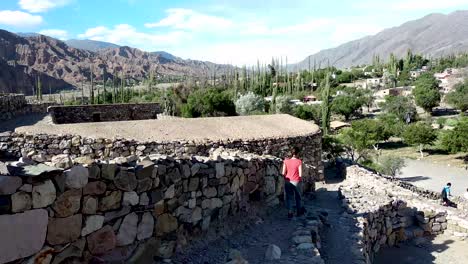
[336, 238]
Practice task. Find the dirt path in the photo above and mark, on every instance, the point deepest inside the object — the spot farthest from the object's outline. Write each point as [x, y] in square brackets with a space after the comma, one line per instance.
[433, 176]
[336, 240]
[442, 249]
[272, 228]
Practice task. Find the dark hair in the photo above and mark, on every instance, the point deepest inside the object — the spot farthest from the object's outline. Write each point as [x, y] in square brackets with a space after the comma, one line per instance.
[294, 151]
[449, 184]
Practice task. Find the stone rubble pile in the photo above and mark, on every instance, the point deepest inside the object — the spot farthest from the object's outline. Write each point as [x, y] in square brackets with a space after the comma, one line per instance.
[306, 239]
[387, 214]
[131, 209]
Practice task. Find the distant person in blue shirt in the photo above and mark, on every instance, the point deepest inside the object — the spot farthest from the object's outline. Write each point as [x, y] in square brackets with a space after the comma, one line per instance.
[445, 194]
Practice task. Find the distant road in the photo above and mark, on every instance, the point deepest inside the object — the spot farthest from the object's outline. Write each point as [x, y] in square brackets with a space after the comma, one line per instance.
[433, 177]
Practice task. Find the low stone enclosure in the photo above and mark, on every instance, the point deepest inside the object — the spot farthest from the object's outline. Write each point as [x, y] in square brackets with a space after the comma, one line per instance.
[12, 105]
[389, 211]
[94, 199]
[104, 112]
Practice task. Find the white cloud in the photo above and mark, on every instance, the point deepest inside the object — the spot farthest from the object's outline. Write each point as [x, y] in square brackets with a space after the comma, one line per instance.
[37, 6]
[56, 33]
[187, 19]
[125, 34]
[19, 19]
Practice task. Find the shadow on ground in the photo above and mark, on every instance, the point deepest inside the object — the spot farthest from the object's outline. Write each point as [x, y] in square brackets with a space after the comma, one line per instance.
[414, 178]
[24, 120]
[419, 251]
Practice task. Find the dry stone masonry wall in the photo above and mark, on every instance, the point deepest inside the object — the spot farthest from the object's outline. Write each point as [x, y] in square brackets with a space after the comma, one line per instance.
[98, 113]
[387, 214]
[43, 147]
[12, 105]
[129, 209]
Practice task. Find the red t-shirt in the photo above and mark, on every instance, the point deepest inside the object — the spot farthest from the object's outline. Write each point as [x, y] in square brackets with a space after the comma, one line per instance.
[292, 169]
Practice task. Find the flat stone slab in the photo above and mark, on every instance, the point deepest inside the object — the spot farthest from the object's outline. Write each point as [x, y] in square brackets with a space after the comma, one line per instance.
[22, 235]
[32, 170]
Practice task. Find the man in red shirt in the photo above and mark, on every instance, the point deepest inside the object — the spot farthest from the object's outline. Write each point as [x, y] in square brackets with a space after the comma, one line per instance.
[292, 171]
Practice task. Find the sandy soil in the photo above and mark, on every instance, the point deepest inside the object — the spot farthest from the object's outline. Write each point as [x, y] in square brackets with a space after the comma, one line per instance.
[441, 249]
[197, 129]
[434, 176]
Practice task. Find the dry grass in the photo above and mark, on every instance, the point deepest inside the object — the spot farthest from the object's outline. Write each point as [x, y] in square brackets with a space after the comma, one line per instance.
[431, 154]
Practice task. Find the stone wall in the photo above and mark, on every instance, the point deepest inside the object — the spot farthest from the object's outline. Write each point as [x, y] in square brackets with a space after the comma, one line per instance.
[108, 112]
[43, 147]
[128, 210]
[12, 105]
[387, 213]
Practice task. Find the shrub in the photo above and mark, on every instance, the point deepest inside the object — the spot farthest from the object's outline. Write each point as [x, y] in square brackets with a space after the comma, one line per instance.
[249, 104]
[456, 140]
[458, 98]
[211, 102]
[391, 165]
[283, 105]
[308, 112]
[419, 134]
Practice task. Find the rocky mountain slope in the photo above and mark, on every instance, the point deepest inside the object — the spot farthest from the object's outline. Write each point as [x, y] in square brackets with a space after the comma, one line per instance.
[90, 45]
[60, 66]
[434, 35]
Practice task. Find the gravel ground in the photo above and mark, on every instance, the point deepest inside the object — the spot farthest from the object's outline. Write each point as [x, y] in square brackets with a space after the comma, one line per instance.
[441, 249]
[434, 176]
[197, 129]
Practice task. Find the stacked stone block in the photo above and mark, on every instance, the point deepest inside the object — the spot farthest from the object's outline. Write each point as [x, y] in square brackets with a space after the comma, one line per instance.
[135, 208]
[43, 147]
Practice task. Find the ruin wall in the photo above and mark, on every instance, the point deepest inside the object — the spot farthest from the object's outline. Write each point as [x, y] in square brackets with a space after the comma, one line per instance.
[12, 105]
[126, 210]
[104, 112]
[43, 147]
[387, 213]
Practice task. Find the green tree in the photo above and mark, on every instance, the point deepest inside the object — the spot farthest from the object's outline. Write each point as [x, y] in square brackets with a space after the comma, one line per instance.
[346, 105]
[456, 140]
[374, 130]
[362, 136]
[458, 98]
[426, 93]
[400, 106]
[419, 134]
[326, 105]
[210, 102]
[391, 165]
[250, 103]
[308, 112]
[393, 125]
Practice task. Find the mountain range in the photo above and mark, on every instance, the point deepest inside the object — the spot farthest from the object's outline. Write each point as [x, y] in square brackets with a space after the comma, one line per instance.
[434, 35]
[27, 57]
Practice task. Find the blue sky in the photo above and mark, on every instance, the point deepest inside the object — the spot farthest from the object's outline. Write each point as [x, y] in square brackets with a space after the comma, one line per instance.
[238, 32]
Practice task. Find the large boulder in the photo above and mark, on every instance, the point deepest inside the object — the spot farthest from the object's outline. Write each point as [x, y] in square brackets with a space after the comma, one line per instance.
[64, 230]
[9, 184]
[125, 180]
[22, 235]
[43, 194]
[102, 241]
[92, 223]
[76, 177]
[68, 203]
[166, 223]
[21, 201]
[146, 226]
[128, 230]
[62, 161]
